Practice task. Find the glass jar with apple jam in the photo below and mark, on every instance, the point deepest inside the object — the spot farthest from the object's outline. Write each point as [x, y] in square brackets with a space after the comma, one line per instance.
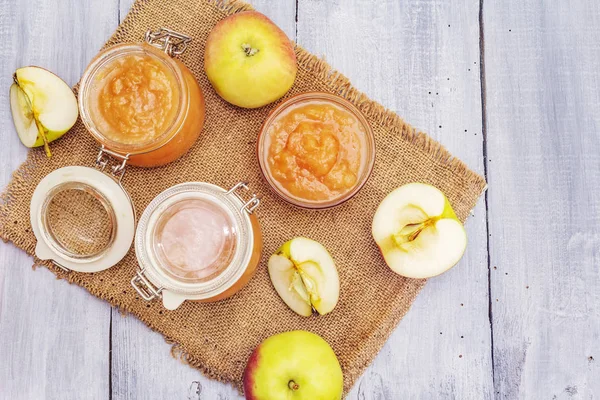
[138, 101]
[316, 150]
[197, 241]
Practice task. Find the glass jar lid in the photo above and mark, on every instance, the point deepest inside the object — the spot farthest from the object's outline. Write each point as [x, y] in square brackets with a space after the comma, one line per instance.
[82, 218]
[193, 241]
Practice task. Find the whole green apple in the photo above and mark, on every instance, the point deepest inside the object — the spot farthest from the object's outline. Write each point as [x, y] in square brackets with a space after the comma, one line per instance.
[295, 365]
[249, 61]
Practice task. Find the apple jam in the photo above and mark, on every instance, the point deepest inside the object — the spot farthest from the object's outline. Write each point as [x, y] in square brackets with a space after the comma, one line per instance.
[316, 150]
[136, 100]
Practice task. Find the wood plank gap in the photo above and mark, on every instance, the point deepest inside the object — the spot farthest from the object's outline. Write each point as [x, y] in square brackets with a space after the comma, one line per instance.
[296, 24]
[110, 347]
[485, 173]
[110, 325]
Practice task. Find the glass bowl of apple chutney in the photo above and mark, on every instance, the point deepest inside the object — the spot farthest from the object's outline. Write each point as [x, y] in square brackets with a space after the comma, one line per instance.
[197, 241]
[316, 150]
[141, 103]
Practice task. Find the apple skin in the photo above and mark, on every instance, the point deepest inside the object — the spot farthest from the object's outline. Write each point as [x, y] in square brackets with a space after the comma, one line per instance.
[249, 81]
[299, 357]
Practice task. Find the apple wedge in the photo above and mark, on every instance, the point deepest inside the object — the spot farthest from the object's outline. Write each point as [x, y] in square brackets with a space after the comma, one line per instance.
[418, 232]
[305, 277]
[43, 106]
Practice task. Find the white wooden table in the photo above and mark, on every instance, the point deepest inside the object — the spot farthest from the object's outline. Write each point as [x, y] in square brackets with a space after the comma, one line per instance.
[512, 87]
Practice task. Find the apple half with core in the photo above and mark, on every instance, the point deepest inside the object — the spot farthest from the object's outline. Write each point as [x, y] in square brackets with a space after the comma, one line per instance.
[43, 106]
[305, 277]
[293, 365]
[249, 61]
[418, 232]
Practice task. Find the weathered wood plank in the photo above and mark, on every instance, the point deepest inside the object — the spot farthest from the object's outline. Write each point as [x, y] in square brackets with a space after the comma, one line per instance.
[142, 365]
[543, 114]
[53, 336]
[283, 13]
[421, 59]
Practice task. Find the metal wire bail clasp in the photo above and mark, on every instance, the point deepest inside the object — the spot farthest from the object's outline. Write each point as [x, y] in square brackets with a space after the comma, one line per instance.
[105, 156]
[171, 42]
[250, 205]
[144, 287]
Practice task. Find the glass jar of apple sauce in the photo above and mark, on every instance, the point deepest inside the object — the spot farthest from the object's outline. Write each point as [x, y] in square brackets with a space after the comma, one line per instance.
[197, 241]
[141, 103]
[316, 150]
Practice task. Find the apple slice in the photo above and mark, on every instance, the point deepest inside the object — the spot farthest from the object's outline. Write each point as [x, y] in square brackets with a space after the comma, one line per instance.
[23, 116]
[43, 106]
[305, 277]
[418, 232]
[288, 284]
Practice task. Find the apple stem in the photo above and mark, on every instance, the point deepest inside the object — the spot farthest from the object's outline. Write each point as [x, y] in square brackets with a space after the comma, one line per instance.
[43, 135]
[249, 50]
[293, 385]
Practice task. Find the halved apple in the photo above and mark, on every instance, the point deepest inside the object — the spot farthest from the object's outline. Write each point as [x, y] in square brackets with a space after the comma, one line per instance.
[418, 232]
[305, 277]
[43, 106]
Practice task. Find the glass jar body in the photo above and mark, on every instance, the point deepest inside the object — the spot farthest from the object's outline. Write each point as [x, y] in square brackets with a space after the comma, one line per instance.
[187, 134]
[137, 101]
[198, 242]
[249, 269]
[316, 150]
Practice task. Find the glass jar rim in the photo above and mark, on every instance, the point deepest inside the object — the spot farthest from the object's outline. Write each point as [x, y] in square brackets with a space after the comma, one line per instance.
[325, 97]
[102, 60]
[56, 243]
[148, 260]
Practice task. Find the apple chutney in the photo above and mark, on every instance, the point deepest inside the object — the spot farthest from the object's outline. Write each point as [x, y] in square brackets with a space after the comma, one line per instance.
[316, 150]
[138, 101]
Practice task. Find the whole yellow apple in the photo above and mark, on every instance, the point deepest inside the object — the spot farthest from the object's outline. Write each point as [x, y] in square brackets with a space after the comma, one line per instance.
[297, 365]
[249, 61]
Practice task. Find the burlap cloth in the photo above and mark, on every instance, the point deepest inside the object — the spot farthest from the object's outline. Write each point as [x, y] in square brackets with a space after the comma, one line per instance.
[218, 338]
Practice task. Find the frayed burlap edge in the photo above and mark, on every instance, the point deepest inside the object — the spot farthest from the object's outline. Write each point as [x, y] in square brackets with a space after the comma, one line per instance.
[338, 84]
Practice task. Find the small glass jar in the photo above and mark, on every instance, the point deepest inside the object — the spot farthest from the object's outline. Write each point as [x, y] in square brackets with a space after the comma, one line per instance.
[197, 241]
[138, 101]
[316, 150]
